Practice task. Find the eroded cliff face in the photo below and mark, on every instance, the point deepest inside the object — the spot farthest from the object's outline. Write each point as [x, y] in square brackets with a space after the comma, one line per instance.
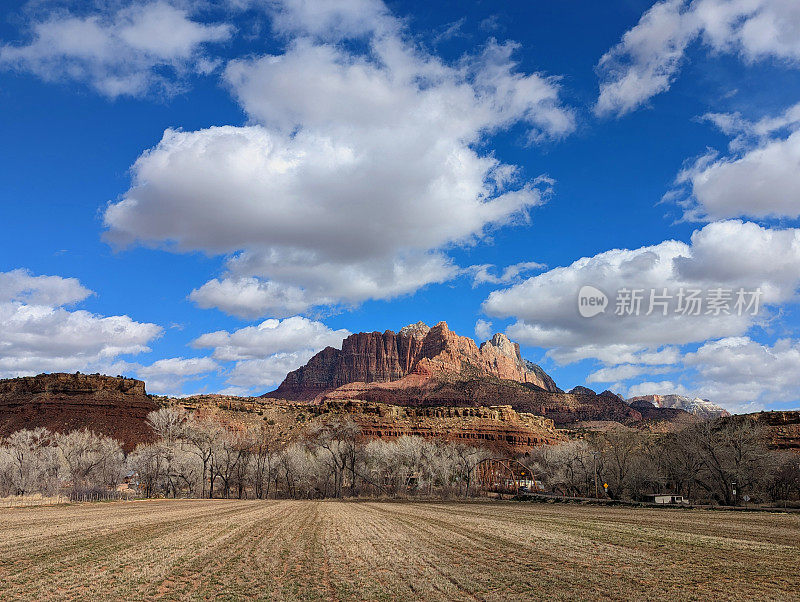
[497, 427]
[374, 357]
[97, 386]
[116, 407]
[781, 428]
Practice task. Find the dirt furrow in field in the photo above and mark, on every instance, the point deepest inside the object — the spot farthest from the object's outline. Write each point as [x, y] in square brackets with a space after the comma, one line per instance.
[274, 558]
[492, 563]
[327, 550]
[571, 551]
[376, 556]
[119, 558]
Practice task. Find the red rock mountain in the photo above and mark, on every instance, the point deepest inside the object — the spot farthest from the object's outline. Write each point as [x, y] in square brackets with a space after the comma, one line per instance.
[116, 407]
[374, 357]
[429, 367]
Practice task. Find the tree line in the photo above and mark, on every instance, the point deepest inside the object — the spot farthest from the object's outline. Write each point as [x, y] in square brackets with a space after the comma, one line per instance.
[205, 454]
[723, 462]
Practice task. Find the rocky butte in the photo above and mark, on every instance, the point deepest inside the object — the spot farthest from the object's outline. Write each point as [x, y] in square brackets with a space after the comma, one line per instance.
[116, 407]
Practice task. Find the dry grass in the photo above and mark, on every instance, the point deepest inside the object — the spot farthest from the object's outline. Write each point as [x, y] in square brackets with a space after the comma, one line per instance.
[294, 550]
[36, 499]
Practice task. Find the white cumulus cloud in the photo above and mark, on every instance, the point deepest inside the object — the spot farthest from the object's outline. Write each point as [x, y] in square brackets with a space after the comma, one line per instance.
[613, 374]
[38, 334]
[271, 337]
[649, 56]
[332, 19]
[167, 376]
[730, 255]
[760, 178]
[354, 178]
[120, 52]
[483, 329]
[21, 286]
[263, 354]
[484, 274]
[266, 373]
[746, 375]
[664, 387]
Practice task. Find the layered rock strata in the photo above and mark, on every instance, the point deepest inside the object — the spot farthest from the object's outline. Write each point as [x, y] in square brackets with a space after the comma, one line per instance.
[116, 407]
[374, 357]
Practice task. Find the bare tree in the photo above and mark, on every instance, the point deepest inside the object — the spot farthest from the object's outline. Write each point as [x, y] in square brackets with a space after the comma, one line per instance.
[570, 467]
[33, 464]
[784, 484]
[147, 463]
[231, 459]
[621, 453]
[243, 442]
[466, 458]
[403, 465]
[733, 454]
[679, 464]
[201, 433]
[265, 449]
[110, 470]
[90, 460]
[304, 473]
[168, 423]
[336, 436]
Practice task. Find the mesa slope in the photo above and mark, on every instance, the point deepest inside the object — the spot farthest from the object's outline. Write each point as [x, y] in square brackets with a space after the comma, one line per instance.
[310, 550]
[116, 407]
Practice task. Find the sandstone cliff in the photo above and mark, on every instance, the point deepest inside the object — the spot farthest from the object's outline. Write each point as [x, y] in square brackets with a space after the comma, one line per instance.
[497, 427]
[374, 357]
[116, 407]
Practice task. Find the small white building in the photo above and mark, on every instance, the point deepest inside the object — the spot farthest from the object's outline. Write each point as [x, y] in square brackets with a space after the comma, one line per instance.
[665, 498]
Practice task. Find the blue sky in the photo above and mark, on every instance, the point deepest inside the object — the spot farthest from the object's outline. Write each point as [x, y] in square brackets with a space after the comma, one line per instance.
[205, 194]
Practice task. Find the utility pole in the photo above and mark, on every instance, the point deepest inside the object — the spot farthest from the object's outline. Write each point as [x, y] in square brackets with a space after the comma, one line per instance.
[594, 457]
